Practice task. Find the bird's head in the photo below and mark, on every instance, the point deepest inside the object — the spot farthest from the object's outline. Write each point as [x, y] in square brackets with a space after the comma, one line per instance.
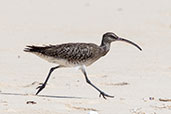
[111, 37]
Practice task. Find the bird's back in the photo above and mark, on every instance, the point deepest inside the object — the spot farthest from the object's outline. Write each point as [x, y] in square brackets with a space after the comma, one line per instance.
[69, 54]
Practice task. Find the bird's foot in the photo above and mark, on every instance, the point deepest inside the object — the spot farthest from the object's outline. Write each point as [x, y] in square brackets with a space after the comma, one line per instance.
[104, 95]
[40, 88]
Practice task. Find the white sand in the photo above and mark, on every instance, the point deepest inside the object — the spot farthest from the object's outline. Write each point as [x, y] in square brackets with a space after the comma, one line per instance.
[136, 79]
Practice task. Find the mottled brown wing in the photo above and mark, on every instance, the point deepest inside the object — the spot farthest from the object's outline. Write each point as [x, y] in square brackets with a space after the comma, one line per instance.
[72, 51]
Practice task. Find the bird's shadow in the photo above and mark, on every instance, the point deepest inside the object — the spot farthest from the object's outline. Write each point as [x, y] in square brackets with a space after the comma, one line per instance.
[46, 96]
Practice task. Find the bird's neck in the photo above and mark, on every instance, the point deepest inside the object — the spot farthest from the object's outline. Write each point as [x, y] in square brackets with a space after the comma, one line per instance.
[105, 46]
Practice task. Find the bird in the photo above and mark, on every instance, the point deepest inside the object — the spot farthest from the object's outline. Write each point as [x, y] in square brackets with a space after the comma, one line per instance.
[79, 55]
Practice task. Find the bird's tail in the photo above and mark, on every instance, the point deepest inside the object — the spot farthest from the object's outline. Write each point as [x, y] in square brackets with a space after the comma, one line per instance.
[33, 49]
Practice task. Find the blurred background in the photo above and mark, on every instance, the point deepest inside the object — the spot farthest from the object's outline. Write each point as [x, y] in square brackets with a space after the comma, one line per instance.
[38, 22]
[27, 22]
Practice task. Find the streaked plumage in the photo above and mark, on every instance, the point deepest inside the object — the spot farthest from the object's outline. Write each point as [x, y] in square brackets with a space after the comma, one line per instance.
[76, 54]
[69, 54]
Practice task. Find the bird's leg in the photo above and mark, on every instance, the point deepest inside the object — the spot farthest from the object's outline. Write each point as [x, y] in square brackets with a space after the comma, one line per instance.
[89, 82]
[40, 88]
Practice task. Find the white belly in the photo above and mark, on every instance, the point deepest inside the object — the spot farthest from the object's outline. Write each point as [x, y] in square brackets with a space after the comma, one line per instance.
[64, 62]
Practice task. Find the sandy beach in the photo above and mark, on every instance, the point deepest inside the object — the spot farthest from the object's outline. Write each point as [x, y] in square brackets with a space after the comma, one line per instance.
[139, 80]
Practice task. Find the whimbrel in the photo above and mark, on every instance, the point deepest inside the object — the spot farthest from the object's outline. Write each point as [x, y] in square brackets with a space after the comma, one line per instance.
[76, 55]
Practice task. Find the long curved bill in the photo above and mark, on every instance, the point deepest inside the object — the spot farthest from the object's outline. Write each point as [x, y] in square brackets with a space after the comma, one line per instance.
[130, 42]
